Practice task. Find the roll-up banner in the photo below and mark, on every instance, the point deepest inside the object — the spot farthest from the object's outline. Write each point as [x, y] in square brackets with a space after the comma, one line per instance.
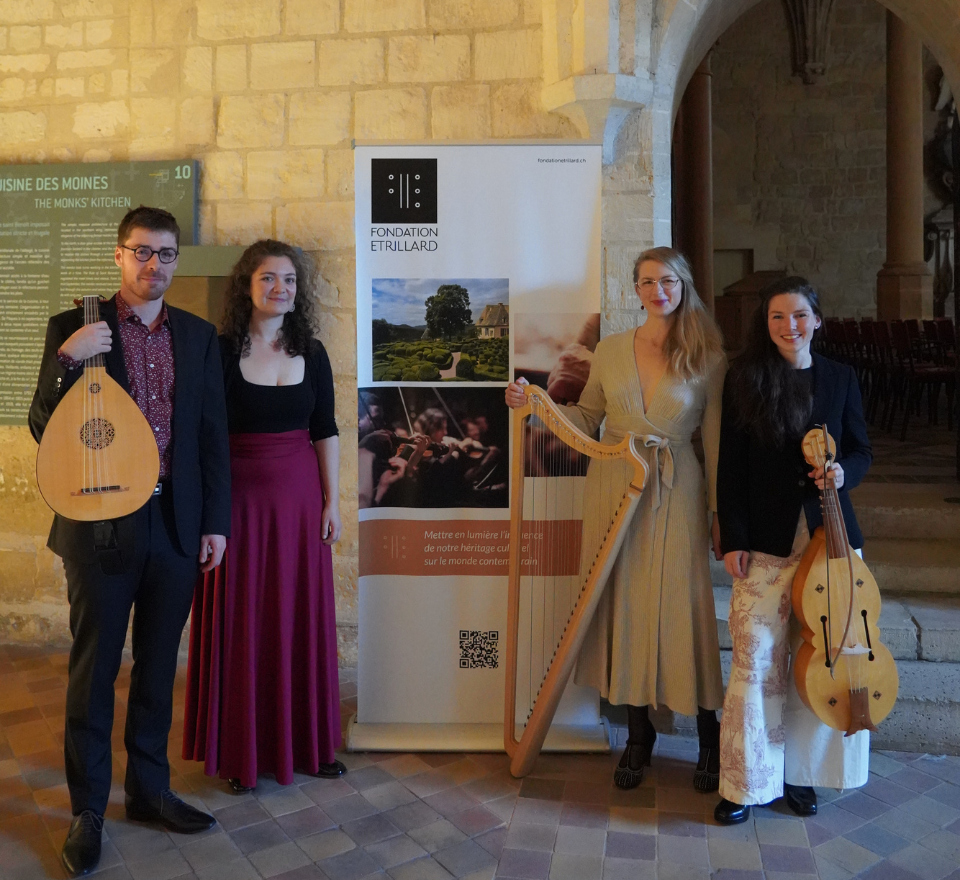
[475, 264]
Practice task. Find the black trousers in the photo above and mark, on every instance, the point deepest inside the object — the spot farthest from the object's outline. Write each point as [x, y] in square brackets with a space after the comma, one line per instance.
[157, 582]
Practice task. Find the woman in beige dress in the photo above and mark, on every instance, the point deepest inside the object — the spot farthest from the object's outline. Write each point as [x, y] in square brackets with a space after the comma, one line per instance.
[653, 640]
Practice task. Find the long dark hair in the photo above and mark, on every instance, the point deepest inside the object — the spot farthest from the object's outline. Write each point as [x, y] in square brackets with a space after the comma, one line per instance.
[297, 328]
[770, 399]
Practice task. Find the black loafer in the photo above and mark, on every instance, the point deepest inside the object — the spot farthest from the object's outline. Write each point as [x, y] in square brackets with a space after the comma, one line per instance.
[169, 811]
[331, 771]
[81, 849]
[729, 813]
[802, 799]
[238, 787]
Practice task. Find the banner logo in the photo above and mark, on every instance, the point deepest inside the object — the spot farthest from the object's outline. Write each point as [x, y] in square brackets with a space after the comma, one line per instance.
[403, 190]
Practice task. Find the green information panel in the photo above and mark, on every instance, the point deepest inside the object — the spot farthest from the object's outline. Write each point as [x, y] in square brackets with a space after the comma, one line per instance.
[58, 231]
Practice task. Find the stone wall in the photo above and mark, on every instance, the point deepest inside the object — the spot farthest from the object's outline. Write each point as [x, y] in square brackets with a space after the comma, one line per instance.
[800, 170]
[268, 95]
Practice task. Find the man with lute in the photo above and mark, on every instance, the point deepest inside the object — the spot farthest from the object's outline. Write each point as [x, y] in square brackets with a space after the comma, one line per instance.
[168, 361]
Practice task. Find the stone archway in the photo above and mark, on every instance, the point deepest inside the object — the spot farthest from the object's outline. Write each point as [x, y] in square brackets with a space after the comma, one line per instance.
[689, 29]
[618, 68]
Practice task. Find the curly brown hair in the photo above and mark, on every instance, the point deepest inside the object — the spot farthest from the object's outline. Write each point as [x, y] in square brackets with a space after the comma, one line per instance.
[296, 332]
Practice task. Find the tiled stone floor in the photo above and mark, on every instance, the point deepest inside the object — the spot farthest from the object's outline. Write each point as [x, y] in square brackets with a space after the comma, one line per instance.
[432, 816]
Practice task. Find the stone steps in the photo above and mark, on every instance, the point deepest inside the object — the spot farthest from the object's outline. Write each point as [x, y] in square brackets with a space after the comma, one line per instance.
[911, 536]
[908, 510]
[914, 565]
[923, 634]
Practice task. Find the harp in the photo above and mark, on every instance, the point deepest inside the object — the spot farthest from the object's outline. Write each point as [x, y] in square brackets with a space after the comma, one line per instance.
[554, 589]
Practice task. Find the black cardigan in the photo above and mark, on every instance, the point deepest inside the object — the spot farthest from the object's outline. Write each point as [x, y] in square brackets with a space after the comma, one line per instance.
[760, 490]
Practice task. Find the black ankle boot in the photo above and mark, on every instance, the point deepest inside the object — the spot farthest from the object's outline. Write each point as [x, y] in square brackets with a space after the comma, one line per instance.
[707, 775]
[636, 756]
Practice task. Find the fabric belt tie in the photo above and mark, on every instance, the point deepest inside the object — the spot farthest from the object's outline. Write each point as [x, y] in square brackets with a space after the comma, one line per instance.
[662, 471]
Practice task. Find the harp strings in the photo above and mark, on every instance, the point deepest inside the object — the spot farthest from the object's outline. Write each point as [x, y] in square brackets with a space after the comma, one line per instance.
[554, 471]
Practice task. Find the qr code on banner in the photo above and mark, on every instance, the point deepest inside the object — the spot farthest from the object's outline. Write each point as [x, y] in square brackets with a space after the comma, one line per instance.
[479, 649]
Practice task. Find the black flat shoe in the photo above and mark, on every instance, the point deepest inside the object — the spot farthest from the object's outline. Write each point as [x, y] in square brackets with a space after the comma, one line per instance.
[238, 787]
[802, 799]
[81, 849]
[168, 810]
[707, 775]
[635, 757]
[331, 771]
[729, 813]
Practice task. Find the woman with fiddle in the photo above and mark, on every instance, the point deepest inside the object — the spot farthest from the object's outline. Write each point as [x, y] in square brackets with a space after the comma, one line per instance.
[653, 638]
[262, 690]
[771, 744]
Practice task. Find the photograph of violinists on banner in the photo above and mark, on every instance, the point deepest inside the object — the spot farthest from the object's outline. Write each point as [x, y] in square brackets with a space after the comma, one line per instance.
[441, 330]
[554, 351]
[432, 447]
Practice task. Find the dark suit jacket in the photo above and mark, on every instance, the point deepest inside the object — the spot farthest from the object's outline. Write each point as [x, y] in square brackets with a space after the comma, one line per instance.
[760, 490]
[200, 460]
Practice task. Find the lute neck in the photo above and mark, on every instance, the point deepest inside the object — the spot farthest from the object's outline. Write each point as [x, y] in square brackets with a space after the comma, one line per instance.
[91, 315]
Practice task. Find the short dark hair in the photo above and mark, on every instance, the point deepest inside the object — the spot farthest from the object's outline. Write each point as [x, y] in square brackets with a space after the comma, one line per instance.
[296, 332]
[143, 217]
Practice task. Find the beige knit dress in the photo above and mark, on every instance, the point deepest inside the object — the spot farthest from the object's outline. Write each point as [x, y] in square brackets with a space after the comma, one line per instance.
[653, 640]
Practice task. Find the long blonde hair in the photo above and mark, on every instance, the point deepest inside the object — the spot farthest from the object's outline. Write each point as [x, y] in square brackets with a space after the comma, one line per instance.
[694, 339]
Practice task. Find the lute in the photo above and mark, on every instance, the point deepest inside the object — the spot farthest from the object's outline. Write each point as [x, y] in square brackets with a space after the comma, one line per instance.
[98, 458]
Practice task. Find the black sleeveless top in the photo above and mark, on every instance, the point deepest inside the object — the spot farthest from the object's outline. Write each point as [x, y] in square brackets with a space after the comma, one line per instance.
[274, 409]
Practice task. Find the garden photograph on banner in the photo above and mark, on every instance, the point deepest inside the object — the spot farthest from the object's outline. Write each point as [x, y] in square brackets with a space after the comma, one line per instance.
[476, 264]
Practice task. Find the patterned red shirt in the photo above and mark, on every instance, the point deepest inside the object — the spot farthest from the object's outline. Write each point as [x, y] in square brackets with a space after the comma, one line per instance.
[148, 356]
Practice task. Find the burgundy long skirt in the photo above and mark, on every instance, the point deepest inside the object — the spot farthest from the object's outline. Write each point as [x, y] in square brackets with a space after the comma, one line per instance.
[262, 688]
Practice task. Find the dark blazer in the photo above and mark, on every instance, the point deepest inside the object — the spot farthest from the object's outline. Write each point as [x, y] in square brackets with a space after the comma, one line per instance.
[760, 490]
[200, 458]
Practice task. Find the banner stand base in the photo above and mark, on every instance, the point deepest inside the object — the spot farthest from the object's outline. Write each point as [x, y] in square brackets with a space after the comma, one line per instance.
[391, 737]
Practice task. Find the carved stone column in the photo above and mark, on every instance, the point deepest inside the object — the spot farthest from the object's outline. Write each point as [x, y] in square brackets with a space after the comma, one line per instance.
[904, 286]
[693, 170]
[809, 34]
[592, 67]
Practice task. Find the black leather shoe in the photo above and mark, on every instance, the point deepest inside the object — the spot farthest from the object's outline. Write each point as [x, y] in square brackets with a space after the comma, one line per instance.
[238, 787]
[170, 812]
[801, 799]
[81, 849]
[331, 771]
[729, 813]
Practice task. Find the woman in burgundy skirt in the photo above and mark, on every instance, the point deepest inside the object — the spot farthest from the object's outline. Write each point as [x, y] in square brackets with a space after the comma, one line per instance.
[262, 690]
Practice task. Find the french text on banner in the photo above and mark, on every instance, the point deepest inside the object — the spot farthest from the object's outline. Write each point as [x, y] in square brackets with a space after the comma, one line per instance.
[551, 548]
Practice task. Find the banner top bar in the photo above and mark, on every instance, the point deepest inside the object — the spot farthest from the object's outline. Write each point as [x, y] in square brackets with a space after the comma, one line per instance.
[498, 142]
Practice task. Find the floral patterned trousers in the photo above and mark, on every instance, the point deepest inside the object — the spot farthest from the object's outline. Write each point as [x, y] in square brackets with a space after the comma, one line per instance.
[767, 735]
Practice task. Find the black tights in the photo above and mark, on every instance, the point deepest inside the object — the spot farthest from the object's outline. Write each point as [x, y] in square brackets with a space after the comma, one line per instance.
[640, 728]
